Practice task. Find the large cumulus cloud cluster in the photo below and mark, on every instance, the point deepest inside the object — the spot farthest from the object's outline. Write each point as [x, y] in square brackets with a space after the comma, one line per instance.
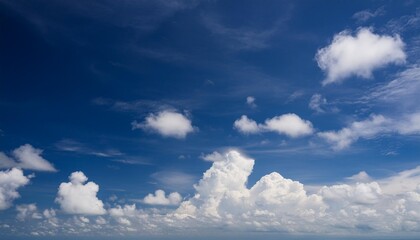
[223, 199]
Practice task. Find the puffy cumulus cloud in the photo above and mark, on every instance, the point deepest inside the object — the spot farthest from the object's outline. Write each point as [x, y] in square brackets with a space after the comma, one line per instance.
[360, 177]
[275, 203]
[167, 123]
[223, 200]
[10, 181]
[78, 197]
[359, 55]
[372, 127]
[246, 126]
[288, 124]
[27, 211]
[368, 128]
[159, 198]
[26, 157]
[213, 157]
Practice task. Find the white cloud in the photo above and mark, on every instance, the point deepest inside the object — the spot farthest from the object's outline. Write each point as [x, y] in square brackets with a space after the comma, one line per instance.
[75, 197]
[122, 214]
[27, 211]
[26, 157]
[361, 177]
[402, 182]
[362, 129]
[288, 124]
[246, 126]
[213, 157]
[167, 123]
[372, 127]
[100, 221]
[159, 198]
[275, 203]
[223, 199]
[250, 100]
[10, 181]
[359, 55]
[317, 102]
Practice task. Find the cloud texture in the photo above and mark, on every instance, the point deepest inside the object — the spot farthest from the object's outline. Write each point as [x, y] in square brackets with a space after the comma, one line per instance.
[359, 55]
[78, 197]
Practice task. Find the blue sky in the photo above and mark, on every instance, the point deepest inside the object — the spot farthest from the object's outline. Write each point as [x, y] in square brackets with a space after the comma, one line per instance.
[296, 119]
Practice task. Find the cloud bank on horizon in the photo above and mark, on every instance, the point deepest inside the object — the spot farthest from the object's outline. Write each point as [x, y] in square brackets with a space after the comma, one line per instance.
[222, 199]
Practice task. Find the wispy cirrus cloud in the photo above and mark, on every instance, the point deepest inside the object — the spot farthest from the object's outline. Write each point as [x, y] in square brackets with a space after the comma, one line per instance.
[70, 145]
[372, 127]
[365, 15]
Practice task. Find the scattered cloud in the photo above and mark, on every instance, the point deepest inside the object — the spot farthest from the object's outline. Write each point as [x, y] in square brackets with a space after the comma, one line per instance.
[133, 161]
[361, 177]
[295, 95]
[250, 100]
[27, 211]
[368, 128]
[122, 214]
[78, 197]
[288, 124]
[404, 23]
[159, 198]
[372, 127]
[70, 145]
[274, 203]
[246, 126]
[213, 157]
[359, 55]
[317, 103]
[167, 123]
[401, 90]
[365, 15]
[26, 157]
[10, 181]
[402, 182]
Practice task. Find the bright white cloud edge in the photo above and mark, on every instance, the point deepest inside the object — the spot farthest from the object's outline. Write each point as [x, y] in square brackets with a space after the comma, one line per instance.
[276, 204]
[26, 157]
[359, 55]
[288, 124]
[167, 123]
